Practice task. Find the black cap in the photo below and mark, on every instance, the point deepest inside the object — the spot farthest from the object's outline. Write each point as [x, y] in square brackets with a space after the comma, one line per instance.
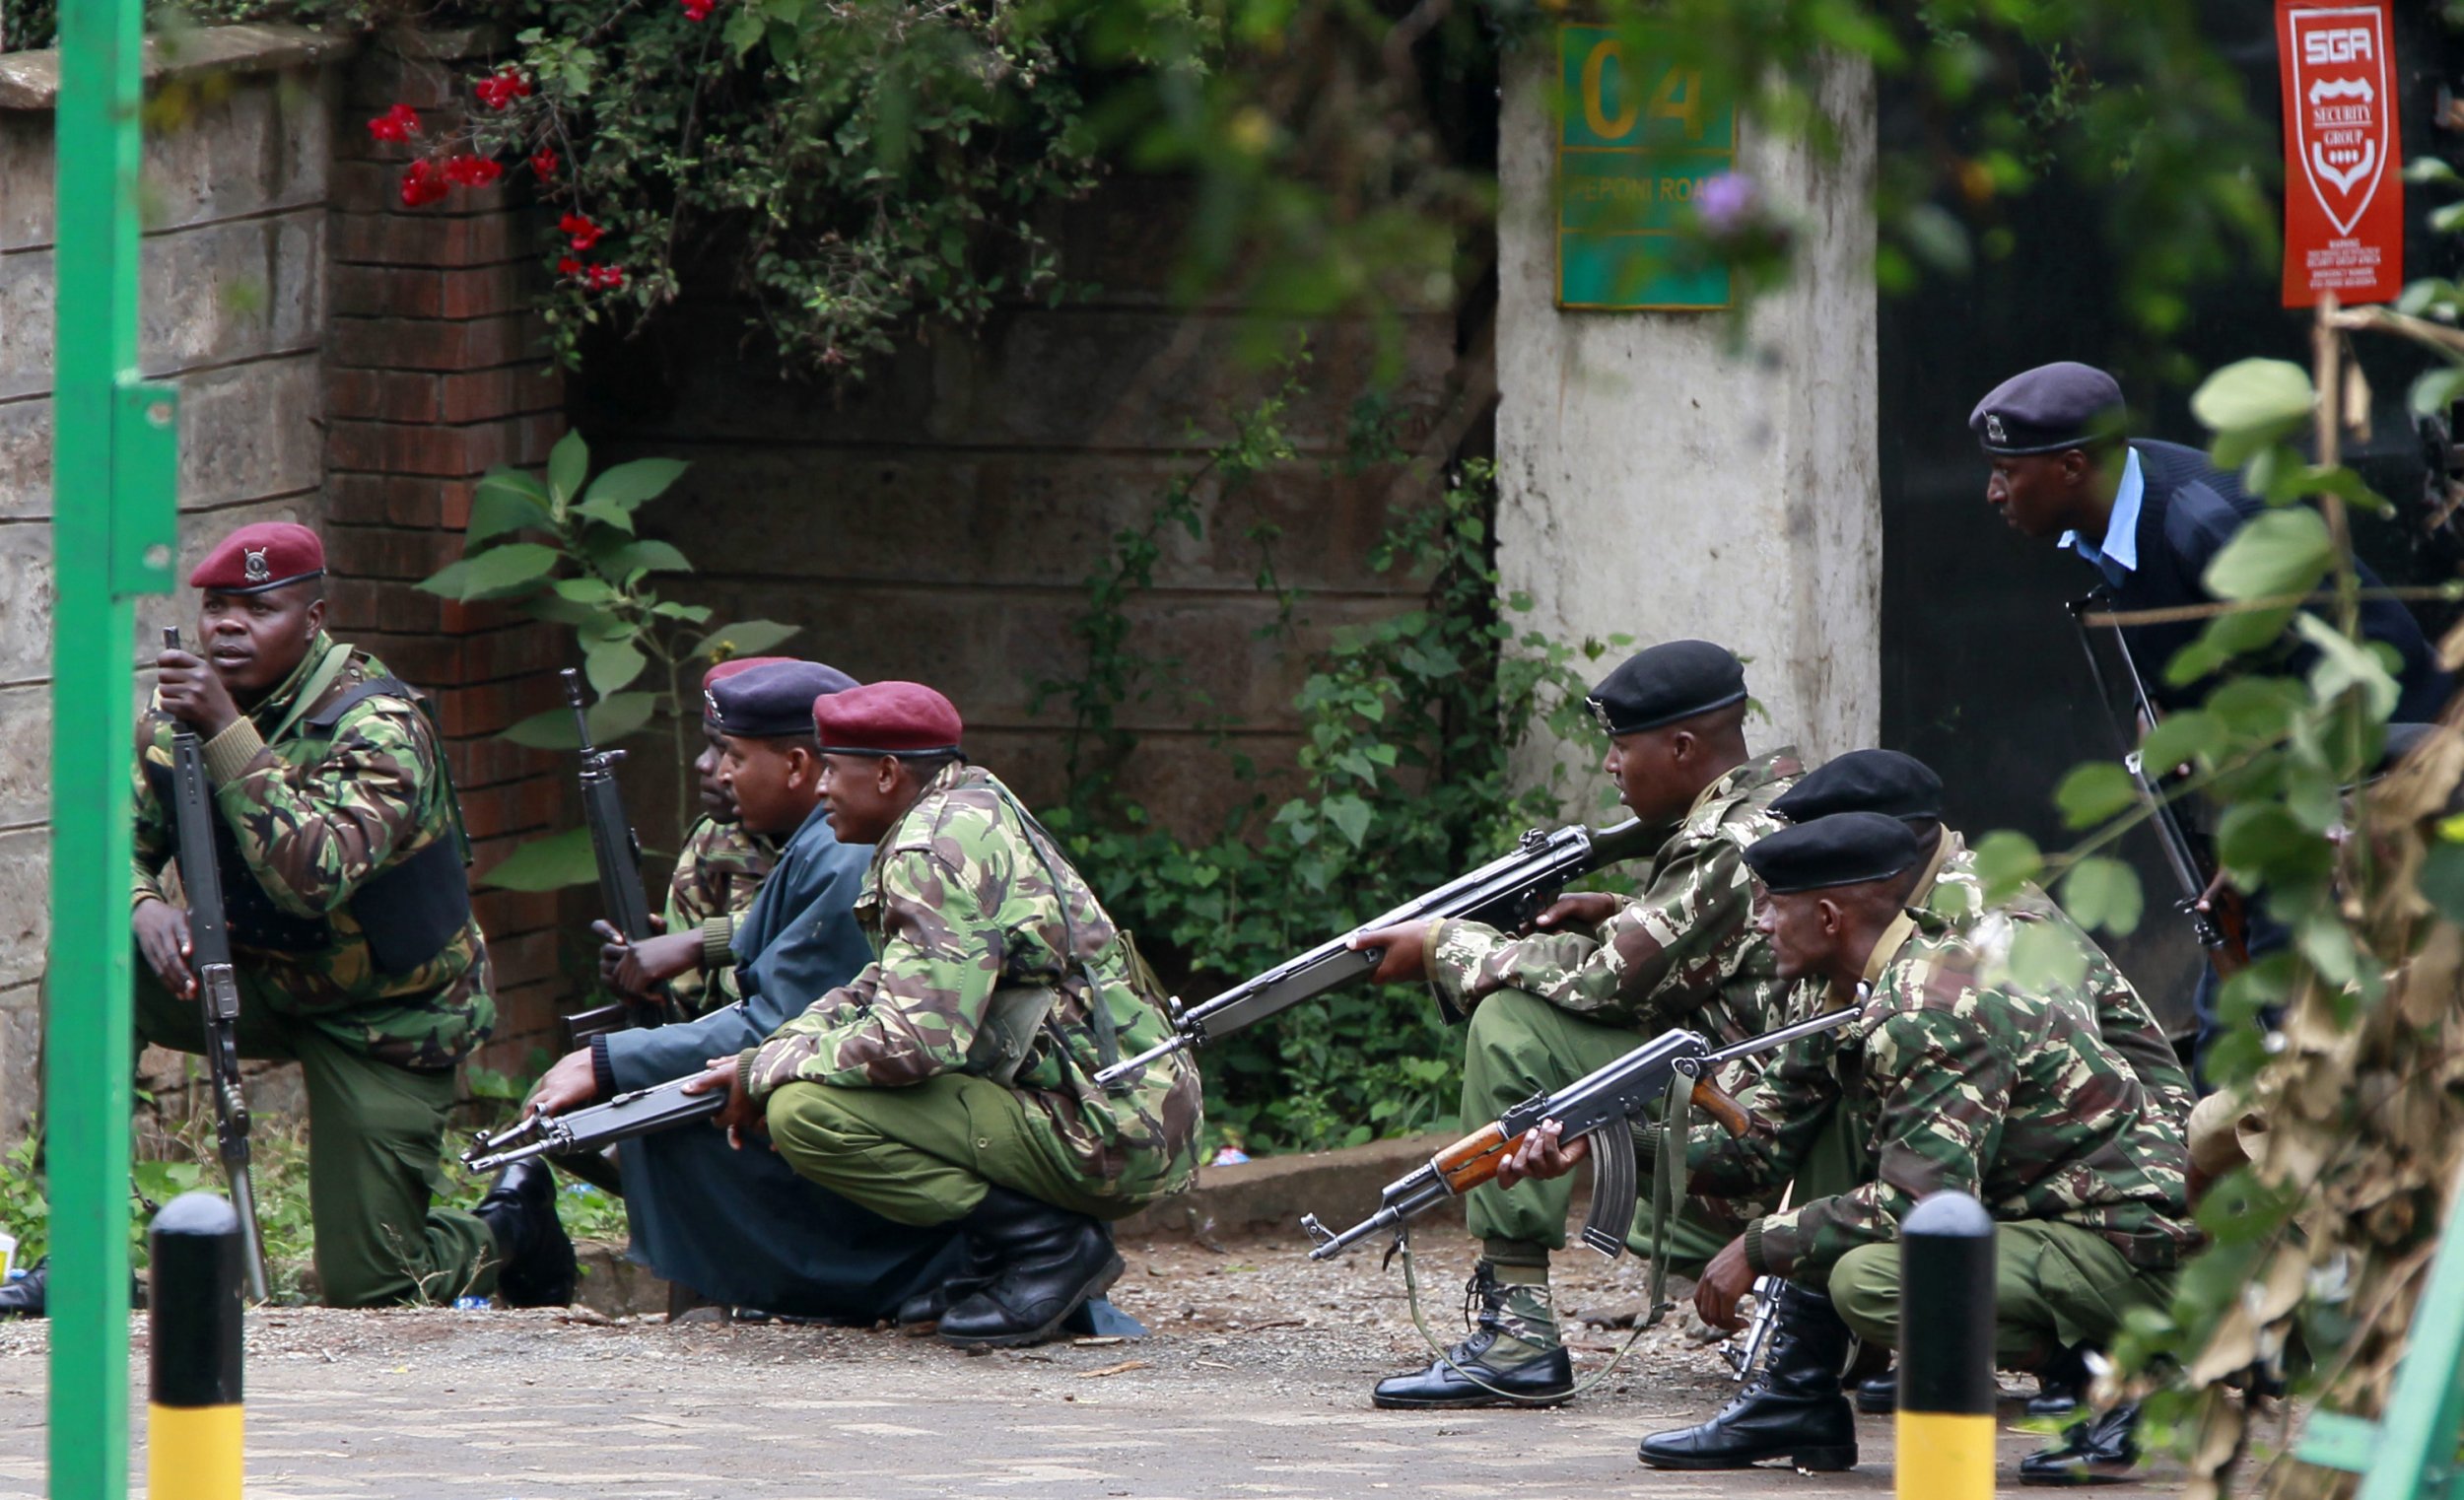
[2047, 409]
[770, 702]
[1672, 681]
[1844, 848]
[1865, 780]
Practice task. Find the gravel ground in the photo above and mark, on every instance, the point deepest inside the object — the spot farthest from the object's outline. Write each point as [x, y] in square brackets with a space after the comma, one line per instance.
[1254, 1383]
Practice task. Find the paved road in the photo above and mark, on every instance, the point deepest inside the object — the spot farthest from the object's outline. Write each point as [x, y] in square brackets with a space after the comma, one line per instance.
[1249, 1390]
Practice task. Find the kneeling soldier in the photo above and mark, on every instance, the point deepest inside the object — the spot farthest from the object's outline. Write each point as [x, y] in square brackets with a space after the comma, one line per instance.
[350, 918]
[951, 1081]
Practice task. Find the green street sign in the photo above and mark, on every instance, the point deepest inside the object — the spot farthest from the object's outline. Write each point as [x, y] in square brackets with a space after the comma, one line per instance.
[1637, 135]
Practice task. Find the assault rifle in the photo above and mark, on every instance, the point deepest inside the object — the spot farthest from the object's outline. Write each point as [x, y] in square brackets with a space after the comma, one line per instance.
[2222, 924]
[1599, 1106]
[642, 1112]
[1506, 892]
[218, 987]
[618, 854]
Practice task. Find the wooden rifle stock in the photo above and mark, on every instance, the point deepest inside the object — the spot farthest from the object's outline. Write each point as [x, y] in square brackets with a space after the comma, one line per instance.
[1474, 1160]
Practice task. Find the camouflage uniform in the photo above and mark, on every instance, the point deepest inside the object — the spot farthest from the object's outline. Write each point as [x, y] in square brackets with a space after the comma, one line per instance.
[719, 873]
[1548, 1008]
[879, 1091]
[318, 816]
[1952, 1077]
[1952, 890]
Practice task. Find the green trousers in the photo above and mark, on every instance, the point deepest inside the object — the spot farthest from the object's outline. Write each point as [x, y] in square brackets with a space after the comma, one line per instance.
[1518, 1046]
[2055, 1285]
[925, 1154]
[376, 1144]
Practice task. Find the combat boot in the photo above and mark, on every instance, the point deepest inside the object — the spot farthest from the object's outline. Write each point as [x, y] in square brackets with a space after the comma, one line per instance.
[1793, 1410]
[1513, 1352]
[2098, 1450]
[1046, 1262]
[535, 1257]
[24, 1296]
[919, 1314]
[2062, 1383]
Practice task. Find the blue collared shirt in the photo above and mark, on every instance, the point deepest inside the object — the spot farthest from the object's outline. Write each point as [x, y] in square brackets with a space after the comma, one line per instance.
[2118, 555]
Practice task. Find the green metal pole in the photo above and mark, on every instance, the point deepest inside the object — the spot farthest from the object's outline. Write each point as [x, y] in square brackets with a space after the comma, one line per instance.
[113, 509]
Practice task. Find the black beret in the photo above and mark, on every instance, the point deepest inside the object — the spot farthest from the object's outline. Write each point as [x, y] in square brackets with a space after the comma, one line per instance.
[1843, 849]
[1674, 680]
[770, 702]
[1865, 780]
[2047, 409]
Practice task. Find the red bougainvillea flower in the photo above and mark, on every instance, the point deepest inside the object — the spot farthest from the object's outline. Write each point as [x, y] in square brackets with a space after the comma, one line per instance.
[424, 184]
[543, 163]
[472, 172]
[500, 89]
[697, 10]
[398, 123]
[582, 233]
[567, 266]
[605, 277]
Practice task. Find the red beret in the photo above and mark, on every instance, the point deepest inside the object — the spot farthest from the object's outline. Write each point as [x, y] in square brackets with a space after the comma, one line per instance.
[719, 671]
[265, 555]
[886, 718]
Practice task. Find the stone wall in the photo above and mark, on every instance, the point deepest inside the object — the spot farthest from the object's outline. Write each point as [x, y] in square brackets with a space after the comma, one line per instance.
[939, 523]
[235, 302]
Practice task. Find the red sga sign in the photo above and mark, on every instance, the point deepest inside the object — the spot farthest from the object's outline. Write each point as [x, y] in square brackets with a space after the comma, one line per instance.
[2344, 176]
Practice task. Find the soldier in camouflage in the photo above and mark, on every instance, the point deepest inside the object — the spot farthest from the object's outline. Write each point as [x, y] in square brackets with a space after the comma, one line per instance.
[356, 951]
[1953, 1076]
[720, 869]
[952, 1081]
[1602, 974]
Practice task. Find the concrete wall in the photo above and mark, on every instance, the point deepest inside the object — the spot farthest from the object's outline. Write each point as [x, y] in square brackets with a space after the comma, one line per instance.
[235, 314]
[1660, 481]
[940, 523]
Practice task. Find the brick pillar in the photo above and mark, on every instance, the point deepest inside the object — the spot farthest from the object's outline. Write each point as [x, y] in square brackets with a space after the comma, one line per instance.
[435, 371]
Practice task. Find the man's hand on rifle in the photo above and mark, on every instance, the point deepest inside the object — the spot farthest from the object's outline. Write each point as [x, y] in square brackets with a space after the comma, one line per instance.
[163, 938]
[192, 692]
[1580, 909]
[1406, 951]
[1725, 1282]
[569, 1085]
[1539, 1155]
[740, 1112]
[638, 969]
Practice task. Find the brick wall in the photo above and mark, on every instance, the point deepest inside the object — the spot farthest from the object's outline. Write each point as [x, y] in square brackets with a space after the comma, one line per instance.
[436, 373]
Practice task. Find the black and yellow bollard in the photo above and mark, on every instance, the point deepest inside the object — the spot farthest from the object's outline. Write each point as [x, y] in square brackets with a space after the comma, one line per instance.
[192, 1426]
[1946, 1426]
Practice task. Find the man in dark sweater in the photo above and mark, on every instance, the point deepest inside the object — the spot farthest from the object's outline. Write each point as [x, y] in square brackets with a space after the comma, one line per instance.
[2149, 517]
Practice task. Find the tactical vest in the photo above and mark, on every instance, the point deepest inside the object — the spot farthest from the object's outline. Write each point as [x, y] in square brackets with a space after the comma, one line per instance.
[407, 913]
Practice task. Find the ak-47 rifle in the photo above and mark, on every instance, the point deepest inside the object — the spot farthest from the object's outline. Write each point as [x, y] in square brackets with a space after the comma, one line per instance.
[218, 987]
[2219, 921]
[1598, 1105]
[1745, 1355]
[642, 1112]
[1506, 892]
[618, 854]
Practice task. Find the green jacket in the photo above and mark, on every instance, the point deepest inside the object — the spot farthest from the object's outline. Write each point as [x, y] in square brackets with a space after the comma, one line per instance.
[1682, 953]
[316, 817]
[969, 907]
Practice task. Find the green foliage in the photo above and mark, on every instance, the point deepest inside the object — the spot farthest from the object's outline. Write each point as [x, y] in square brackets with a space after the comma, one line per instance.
[1403, 781]
[564, 548]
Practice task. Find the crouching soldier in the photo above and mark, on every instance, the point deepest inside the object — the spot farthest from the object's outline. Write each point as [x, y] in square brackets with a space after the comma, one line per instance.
[952, 1081]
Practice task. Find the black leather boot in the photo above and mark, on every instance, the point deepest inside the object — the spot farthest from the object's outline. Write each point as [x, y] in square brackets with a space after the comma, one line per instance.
[1046, 1263]
[919, 1314]
[24, 1297]
[1878, 1397]
[536, 1258]
[2062, 1384]
[1513, 1348]
[1793, 1410]
[2101, 1449]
